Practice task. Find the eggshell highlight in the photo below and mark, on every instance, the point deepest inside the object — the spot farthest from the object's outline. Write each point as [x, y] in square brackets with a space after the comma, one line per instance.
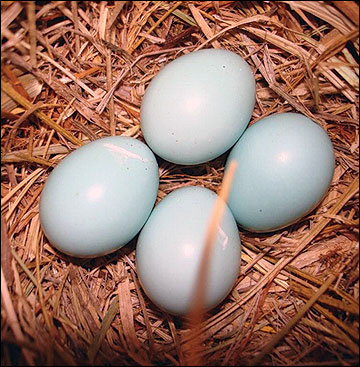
[99, 196]
[198, 105]
[170, 247]
[285, 167]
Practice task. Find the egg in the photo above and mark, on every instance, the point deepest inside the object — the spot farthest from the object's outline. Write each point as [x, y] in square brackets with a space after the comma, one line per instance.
[170, 247]
[285, 166]
[197, 106]
[99, 196]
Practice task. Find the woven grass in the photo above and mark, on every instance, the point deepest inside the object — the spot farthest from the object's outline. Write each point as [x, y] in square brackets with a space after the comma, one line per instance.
[77, 71]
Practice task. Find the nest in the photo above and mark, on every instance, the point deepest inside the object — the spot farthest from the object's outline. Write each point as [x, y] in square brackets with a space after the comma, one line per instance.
[73, 72]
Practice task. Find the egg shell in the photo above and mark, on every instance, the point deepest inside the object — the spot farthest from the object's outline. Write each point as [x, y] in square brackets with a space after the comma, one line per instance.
[197, 106]
[285, 164]
[170, 247]
[99, 196]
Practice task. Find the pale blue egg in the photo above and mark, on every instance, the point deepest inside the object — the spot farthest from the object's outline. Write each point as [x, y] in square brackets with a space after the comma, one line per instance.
[98, 197]
[198, 105]
[170, 247]
[285, 164]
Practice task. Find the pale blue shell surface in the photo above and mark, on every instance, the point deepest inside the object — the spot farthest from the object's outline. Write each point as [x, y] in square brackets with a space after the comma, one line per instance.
[99, 196]
[285, 164]
[170, 247]
[198, 105]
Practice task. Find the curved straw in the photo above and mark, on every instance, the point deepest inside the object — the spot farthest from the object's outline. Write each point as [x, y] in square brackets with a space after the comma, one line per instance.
[196, 313]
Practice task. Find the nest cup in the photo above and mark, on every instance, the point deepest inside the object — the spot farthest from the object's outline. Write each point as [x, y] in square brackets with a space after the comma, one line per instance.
[73, 72]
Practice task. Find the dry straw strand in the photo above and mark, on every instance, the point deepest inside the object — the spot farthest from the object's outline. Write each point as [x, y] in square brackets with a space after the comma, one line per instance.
[21, 100]
[197, 304]
[281, 334]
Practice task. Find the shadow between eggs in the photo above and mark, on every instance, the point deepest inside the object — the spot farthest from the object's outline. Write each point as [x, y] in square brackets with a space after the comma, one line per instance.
[93, 263]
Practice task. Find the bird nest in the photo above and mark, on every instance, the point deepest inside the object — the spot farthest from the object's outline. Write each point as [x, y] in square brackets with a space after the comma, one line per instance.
[73, 72]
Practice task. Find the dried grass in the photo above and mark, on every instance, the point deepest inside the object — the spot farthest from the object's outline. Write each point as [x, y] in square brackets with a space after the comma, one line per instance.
[78, 72]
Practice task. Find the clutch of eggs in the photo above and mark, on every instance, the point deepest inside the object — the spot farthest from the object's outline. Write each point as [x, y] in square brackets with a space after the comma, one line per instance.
[99, 196]
[285, 164]
[197, 106]
[170, 247]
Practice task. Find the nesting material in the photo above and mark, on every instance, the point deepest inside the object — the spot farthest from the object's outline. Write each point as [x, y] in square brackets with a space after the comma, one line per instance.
[77, 71]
